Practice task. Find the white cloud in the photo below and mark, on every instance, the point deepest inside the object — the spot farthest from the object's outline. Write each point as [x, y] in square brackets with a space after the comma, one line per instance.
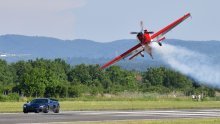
[39, 17]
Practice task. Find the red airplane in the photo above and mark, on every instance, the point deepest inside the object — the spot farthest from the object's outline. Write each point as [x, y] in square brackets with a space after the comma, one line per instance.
[145, 39]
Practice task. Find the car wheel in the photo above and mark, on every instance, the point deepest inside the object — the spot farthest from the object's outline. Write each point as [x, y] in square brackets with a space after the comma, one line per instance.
[37, 111]
[46, 109]
[25, 111]
[57, 109]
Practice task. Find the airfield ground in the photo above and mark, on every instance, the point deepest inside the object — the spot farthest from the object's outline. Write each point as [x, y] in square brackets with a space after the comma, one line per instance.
[120, 112]
[170, 121]
[118, 105]
[114, 117]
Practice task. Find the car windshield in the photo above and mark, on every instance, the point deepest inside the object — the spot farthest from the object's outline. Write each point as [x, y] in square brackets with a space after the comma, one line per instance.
[39, 101]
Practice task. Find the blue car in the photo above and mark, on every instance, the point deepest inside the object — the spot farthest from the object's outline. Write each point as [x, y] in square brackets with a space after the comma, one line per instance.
[42, 105]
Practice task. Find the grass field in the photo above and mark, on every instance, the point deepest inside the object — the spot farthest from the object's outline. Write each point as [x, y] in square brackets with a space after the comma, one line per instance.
[135, 105]
[174, 121]
[117, 105]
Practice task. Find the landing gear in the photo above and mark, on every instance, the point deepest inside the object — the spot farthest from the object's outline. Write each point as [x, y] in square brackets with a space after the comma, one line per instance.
[160, 43]
[142, 54]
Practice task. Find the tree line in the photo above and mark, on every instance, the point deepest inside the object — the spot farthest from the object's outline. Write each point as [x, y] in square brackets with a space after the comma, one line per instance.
[56, 78]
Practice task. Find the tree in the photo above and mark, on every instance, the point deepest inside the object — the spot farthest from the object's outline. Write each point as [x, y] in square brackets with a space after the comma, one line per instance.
[6, 78]
[56, 78]
[175, 80]
[121, 79]
[80, 74]
[154, 77]
[162, 77]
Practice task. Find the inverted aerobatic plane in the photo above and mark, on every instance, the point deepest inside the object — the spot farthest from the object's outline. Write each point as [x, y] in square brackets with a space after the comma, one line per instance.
[146, 37]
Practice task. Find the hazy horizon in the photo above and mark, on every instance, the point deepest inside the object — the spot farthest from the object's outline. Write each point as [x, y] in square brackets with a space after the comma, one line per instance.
[99, 41]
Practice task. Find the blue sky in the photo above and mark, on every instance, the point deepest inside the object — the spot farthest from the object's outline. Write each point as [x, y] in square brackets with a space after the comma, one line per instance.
[105, 21]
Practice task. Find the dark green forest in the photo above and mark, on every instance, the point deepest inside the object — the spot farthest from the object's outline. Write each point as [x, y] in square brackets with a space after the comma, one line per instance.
[56, 78]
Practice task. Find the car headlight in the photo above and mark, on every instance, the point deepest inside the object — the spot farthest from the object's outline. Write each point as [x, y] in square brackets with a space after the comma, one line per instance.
[41, 106]
[24, 106]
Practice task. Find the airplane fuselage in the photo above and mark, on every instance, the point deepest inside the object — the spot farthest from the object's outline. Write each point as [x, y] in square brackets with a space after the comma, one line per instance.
[144, 38]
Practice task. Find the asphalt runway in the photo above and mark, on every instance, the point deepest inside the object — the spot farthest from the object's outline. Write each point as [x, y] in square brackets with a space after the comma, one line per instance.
[74, 116]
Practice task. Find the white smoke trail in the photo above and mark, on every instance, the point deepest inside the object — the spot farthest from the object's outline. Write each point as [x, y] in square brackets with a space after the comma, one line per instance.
[196, 65]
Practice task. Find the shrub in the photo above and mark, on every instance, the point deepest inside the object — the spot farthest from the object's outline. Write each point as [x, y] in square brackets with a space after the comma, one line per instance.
[13, 97]
[9, 97]
[76, 90]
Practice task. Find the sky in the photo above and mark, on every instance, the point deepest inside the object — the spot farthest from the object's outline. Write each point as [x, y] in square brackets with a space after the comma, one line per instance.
[109, 20]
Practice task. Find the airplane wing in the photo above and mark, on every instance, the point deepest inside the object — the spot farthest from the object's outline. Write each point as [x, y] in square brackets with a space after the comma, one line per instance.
[163, 31]
[123, 55]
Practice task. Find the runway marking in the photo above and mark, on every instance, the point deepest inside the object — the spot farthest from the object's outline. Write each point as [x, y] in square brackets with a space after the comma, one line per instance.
[75, 122]
[144, 112]
[176, 113]
[99, 116]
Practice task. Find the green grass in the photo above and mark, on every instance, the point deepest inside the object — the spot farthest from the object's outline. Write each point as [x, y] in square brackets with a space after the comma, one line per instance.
[173, 121]
[11, 106]
[117, 105]
[136, 105]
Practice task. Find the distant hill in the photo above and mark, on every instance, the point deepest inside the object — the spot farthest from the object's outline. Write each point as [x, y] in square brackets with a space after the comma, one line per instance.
[89, 52]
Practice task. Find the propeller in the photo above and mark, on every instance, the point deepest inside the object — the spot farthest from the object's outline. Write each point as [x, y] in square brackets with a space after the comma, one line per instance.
[134, 32]
[142, 29]
[142, 26]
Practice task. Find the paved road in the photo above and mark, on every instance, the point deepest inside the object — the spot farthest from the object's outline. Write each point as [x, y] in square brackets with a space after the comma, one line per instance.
[72, 116]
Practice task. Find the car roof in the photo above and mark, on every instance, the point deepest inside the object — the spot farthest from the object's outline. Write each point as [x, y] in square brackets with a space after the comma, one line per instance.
[42, 98]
